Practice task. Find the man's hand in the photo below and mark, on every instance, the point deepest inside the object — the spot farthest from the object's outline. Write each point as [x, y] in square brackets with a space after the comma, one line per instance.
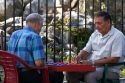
[75, 59]
[39, 63]
[78, 58]
[86, 62]
[82, 55]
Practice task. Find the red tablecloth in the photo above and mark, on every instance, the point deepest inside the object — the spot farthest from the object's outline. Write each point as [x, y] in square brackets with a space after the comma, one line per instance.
[59, 67]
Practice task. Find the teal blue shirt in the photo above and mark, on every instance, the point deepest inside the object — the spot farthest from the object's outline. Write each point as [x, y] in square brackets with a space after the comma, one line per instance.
[26, 44]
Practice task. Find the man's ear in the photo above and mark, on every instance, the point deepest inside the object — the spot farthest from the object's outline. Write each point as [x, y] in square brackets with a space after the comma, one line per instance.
[108, 21]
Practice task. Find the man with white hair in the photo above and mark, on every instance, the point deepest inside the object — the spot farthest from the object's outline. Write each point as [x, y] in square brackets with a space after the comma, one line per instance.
[28, 45]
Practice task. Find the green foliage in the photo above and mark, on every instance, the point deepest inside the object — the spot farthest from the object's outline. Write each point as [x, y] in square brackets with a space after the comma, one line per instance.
[49, 53]
[122, 73]
[58, 25]
[1, 17]
[80, 36]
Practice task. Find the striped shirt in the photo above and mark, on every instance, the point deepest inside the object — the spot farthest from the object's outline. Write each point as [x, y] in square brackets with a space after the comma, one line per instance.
[26, 44]
[110, 45]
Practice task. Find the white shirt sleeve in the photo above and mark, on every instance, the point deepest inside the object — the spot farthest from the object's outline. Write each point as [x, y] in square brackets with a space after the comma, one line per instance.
[118, 46]
[88, 46]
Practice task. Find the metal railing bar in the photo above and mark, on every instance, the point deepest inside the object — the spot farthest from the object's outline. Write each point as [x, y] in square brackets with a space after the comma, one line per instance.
[100, 4]
[30, 5]
[13, 16]
[70, 33]
[5, 25]
[78, 27]
[62, 49]
[54, 28]
[122, 16]
[39, 6]
[46, 28]
[115, 14]
[22, 12]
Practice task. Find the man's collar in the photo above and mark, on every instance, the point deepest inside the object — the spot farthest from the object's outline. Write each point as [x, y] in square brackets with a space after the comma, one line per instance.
[29, 28]
[111, 32]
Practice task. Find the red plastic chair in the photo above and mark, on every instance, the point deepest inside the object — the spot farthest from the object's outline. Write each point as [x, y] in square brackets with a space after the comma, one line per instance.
[8, 62]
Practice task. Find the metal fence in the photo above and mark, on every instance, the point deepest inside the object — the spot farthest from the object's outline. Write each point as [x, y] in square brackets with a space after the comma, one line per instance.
[67, 23]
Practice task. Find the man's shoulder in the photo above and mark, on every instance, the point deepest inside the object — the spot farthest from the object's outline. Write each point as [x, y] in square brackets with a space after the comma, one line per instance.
[27, 33]
[117, 32]
[17, 32]
[95, 33]
[32, 34]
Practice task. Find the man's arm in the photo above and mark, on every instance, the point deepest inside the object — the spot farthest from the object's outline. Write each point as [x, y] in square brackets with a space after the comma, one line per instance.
[38, 51]
[85, 52]
[101, 62]
[82, 55]
[106, 60]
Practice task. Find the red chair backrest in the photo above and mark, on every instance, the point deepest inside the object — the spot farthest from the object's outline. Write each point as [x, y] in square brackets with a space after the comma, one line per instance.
[8, 62]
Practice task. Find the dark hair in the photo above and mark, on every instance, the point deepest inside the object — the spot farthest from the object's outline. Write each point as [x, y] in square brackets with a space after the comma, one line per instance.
[105, 16]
